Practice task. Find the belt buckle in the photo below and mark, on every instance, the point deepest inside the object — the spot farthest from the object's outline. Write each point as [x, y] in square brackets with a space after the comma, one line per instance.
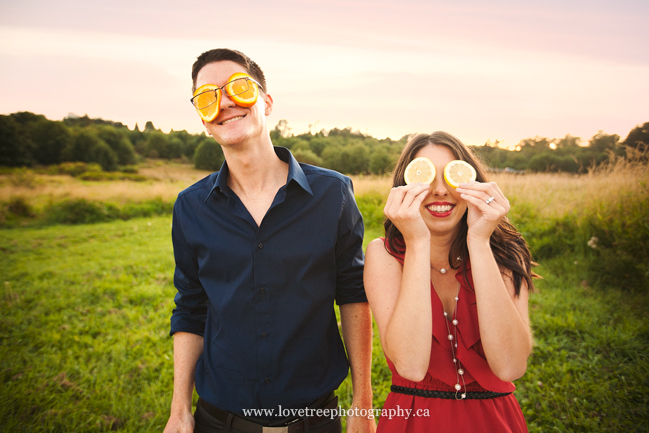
[283, 429]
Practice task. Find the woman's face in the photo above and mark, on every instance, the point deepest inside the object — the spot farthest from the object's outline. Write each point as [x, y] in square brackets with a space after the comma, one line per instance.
[442, 209]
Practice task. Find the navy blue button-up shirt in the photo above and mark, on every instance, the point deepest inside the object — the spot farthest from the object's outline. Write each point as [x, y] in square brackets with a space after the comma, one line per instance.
[263, 296]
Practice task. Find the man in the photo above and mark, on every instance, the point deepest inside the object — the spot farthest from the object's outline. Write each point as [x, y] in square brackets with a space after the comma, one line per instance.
[263, 248]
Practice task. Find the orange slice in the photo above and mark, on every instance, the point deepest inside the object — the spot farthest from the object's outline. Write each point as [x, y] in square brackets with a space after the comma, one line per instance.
[244, 92]
[457, 172]
[205, 98]
[420, 170]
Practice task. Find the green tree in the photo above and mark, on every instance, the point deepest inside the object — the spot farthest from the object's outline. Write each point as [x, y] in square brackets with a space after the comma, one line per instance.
[156, 145]
[355, 159]
[567, 142]
[208, 156]
[638, 138]
[602, 142]
[380, 161]
[318, 145]
[148, 127]
[119, 142]
[86, 146]
[307, 157]
[50, 139]
[16, 147]
[175, 148]
[332, 157]
[102, 154]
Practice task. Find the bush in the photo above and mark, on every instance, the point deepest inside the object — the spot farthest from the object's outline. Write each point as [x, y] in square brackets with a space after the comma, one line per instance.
[80, 211]
[148, 208]
[19, 207]
[75, 169]
[620, 242]
[100, 176]
[15, 209]
[23, 177]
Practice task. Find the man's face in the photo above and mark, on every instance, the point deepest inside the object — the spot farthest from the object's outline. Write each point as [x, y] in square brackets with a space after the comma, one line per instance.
[234, 124]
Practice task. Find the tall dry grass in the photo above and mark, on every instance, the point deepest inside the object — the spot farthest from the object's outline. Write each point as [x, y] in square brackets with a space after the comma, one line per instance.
[551, 195]
[556, 195]
[165, 181]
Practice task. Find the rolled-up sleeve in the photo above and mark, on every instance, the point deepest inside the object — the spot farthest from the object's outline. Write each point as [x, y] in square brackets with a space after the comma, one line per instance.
[191, 300]
[349, 250]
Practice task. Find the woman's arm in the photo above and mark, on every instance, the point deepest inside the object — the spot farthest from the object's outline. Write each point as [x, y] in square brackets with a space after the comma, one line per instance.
[503, 316]
[400, 296]
[504, 323]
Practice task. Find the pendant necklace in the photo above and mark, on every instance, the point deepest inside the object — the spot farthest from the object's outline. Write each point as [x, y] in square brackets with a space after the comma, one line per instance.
[442, 270]
[459, 371]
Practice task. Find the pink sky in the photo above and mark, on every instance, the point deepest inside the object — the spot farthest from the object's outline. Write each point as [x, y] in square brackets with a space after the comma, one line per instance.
[480, 70]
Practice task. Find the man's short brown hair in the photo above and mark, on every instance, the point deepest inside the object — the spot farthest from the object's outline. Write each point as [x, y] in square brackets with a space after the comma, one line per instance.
[221, 54]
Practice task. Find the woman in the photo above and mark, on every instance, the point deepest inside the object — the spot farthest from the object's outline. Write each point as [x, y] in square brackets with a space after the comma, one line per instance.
[452, 267]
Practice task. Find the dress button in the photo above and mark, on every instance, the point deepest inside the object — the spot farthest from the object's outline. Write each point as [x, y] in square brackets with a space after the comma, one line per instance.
[260, 245]
[262, 290]
[267, 380]
[263, 334]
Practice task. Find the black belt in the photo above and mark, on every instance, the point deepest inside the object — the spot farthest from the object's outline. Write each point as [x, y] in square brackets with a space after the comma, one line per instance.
[449, 395]
[287, 425]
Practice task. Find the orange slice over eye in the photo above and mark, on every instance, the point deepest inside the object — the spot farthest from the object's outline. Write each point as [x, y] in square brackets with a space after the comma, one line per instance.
[457, 172]
[205, 97]
[420, 170]
[244, 92]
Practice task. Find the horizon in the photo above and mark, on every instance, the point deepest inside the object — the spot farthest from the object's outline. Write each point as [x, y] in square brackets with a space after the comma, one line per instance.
[482, 71]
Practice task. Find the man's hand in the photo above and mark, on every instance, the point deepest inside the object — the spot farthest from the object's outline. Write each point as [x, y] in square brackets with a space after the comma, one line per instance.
[361, 424]
[180, 423]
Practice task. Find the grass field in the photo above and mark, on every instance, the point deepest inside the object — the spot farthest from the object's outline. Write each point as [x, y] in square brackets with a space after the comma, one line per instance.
[84, 329]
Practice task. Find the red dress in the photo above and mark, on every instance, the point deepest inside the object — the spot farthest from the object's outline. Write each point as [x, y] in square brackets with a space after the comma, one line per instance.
[497, 415]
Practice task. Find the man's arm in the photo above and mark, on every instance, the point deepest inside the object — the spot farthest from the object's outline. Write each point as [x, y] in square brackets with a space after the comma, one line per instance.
[187, 327]
[356, 321]
[187, 349]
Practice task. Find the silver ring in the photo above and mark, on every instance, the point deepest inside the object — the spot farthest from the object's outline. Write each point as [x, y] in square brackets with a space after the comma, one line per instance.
[489, 200]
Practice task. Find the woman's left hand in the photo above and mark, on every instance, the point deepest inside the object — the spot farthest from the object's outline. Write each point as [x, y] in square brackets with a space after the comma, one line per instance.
[483, 217]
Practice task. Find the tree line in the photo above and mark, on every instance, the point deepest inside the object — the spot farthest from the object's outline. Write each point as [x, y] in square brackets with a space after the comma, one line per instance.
[28, 139]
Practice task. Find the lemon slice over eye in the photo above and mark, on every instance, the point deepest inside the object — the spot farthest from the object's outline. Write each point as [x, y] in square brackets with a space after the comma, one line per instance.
[244, 92]
[457, 172]
[205, 98]
[420, 170]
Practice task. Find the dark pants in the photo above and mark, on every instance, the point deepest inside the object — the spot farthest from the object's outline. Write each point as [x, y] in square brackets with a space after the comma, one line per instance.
[206, 423]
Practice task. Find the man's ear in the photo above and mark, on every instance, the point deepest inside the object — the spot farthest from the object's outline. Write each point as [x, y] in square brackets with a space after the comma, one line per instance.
[268, 101]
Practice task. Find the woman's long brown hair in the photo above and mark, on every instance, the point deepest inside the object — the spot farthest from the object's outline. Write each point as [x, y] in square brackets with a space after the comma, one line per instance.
[509, 248]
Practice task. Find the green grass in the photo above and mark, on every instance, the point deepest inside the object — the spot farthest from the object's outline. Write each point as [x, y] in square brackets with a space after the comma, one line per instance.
[85, 324]
[84, 343]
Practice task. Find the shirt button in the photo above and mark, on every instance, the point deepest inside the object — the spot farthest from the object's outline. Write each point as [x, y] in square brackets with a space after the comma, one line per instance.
[263, 334]
[267, 380]
[262, 290]
[260, 245]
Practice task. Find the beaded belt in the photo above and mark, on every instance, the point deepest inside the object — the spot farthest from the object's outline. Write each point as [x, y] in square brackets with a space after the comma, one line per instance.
[449, 395]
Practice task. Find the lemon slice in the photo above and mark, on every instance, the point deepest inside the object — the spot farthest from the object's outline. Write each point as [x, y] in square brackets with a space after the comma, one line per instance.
[205, 98]
[244, 92]
[420, 170]
[457, 172]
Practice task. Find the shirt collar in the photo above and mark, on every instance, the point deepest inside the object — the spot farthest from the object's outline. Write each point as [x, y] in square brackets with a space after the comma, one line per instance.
[295, 173]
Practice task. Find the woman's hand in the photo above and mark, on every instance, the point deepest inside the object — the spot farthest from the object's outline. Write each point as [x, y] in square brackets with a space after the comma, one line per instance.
[483, 217]
[403, 209]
